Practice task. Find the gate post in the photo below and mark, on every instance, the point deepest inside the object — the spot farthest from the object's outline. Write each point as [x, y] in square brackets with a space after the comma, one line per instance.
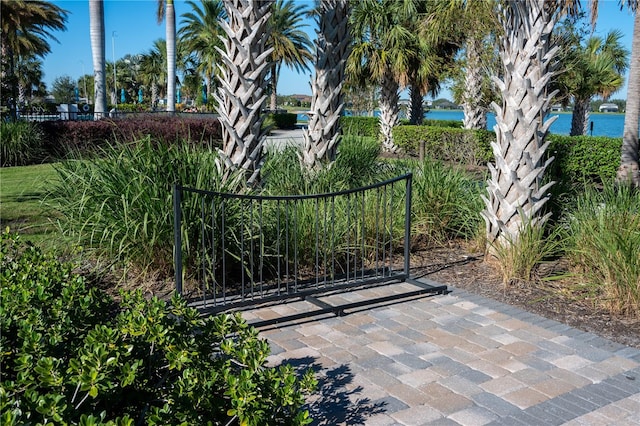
[407, 225]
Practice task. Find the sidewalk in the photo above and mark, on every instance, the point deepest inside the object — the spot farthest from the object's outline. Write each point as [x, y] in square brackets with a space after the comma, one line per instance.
[457, 359]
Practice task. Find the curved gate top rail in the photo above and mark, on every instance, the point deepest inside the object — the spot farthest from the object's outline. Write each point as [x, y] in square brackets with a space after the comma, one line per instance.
[234, 250]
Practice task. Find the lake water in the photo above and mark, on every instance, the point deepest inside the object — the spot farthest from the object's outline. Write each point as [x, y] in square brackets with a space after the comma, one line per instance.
[604, 124]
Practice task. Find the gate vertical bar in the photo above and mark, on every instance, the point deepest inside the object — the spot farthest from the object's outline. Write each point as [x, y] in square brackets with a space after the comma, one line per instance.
[177, 237]
[407, 225]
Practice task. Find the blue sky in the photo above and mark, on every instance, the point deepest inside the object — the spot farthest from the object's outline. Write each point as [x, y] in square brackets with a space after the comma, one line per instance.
[136, 28]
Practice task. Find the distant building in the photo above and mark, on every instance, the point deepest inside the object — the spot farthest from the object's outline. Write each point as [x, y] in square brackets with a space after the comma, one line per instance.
[608, 107]
[556, 108]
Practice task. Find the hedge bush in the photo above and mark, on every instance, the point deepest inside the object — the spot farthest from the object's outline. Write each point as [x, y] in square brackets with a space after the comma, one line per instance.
[446, 143]
[285, 120]
[65, 137]
[70, 355]
[360, 126]
[583, 160]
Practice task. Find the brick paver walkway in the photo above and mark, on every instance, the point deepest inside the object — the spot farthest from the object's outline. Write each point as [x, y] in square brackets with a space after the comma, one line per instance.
[456, 359]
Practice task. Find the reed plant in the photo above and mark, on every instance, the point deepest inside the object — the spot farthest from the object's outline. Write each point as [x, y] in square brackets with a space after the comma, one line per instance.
[120, 204]
[519, 258]
[21, 144]
[604, 245]
[446, 202]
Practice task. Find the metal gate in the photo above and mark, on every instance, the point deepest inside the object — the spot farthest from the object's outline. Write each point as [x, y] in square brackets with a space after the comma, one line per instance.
[233, 250]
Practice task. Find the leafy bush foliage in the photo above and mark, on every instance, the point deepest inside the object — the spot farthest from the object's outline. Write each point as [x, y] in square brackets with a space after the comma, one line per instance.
[445, 143]
[70, 355]
[73, 138]
[361, 126]
[604, 245]
[456, 124]
[285, 120]
[583, 160]
[121, 203]
[20, 144]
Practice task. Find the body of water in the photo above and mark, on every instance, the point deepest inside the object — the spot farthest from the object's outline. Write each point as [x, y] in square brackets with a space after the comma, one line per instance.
[604, 124]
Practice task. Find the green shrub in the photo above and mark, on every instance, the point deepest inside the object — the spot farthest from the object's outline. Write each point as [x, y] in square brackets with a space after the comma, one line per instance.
[74, 138]
[583, 160]
[360, 126]
[604, 245]
[20, 144]
[456, 124]
[445, 143]
[70, 355]
[285, 120]
[121, 204]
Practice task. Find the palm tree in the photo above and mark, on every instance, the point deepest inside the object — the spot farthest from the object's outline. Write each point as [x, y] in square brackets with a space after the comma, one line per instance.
[25, 28]
[29, 73]
[166, 10]
[381, 53]
[322, 135]
[200, 33]
[241, 94]
[516, 194]
[629, 170]
[595, 68]
[96, 33]
[291, 46]
[153, 72]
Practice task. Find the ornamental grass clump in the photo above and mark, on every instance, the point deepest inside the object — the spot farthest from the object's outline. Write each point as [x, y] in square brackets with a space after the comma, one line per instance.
[71, 355]
[120, 204]
[604, 246]
[518, 259]
[446, 202]
[21, 144]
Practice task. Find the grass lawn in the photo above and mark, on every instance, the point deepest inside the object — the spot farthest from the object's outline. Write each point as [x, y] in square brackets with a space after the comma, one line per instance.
[22, 190]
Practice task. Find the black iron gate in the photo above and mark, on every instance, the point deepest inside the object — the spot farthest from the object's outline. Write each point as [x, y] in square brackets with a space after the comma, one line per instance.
[233, 250]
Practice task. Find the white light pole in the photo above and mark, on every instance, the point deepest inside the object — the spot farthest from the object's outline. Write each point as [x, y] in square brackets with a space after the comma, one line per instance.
[84, 81]
[113, 52]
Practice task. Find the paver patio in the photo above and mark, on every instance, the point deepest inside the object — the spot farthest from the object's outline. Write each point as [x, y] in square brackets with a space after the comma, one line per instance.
[455, 359]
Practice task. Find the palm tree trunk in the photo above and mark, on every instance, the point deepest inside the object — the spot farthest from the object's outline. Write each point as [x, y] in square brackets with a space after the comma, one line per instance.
[96, 32]
[629, 170]
[389, 111]
[475, 117]
[516, 195]
[241, 92]
[274, 88]
[323, 133]
[416, 111]
[580, 117]
[170, 15]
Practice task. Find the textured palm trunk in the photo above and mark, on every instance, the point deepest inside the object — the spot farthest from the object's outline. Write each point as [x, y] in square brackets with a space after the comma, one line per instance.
[475, 117]
[629, 170]
[170, 15]
[580, 117]
[96, 34]
[274, 88]
[241, 92]
[154, 94]
[416, 111]
[389, 111]
[515, 192]
[323, 133]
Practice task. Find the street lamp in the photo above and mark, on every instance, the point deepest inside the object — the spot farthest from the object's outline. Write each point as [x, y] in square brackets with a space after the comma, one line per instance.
[113, 52]
[84, 80]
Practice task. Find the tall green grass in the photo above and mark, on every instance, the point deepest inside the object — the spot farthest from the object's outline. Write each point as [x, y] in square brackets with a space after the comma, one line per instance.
[604, 245]
[20, 144]
[121, 203]
[446, 202]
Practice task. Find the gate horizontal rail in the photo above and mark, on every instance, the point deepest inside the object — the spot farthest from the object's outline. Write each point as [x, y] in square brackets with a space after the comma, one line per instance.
[234, 250]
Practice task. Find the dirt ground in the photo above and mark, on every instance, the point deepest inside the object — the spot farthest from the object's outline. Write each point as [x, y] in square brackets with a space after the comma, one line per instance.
[455, 265]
